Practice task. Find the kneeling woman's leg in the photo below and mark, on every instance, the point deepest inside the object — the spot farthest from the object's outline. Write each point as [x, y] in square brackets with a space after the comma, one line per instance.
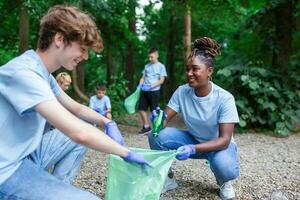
[225, 164]
[60, 152]
[170, 138]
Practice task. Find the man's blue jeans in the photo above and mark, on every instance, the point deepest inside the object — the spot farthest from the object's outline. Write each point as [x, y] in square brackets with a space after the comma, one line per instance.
[32, 181]
[224, 164]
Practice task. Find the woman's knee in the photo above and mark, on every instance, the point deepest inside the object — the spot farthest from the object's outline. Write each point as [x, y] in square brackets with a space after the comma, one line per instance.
[156, 141]
[225, 170]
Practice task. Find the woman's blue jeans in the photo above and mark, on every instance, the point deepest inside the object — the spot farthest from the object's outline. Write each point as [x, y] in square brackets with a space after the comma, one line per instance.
[32, 180]
[224, 163]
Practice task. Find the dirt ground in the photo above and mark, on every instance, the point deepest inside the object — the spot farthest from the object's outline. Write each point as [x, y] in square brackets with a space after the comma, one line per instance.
[270, 167]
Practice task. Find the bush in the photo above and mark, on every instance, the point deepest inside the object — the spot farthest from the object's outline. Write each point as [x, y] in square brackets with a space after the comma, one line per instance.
[265, 100]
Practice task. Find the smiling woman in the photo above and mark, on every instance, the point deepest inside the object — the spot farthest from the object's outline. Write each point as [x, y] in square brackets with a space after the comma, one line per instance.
[209, 114]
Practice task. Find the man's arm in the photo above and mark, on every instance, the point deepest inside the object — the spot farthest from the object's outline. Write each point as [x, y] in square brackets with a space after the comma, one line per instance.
[82, 111]
[159, 82]
[78, 130]
[142, 79]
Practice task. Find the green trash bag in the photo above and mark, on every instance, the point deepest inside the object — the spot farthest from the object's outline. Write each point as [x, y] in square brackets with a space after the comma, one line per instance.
[131, 101]
[127, 181]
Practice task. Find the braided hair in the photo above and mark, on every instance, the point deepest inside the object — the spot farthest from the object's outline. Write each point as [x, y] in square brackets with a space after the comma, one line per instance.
[205, 49]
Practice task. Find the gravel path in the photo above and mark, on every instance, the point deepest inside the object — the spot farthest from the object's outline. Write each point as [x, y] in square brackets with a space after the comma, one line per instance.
[270, 166]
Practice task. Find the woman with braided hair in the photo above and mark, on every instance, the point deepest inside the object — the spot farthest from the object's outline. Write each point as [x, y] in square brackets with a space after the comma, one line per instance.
[209, 113]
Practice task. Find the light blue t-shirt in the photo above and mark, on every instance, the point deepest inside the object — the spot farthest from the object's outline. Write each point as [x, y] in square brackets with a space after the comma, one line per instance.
[153, 72]
[202, 115]
[24, 83]
[100, 105]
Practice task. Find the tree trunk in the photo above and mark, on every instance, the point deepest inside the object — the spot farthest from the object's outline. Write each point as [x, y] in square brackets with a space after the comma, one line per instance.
[76, 86]
[129, 69]
[187, 32]
[170, 55]
[284, 30]
[23, 27]
[108, 64]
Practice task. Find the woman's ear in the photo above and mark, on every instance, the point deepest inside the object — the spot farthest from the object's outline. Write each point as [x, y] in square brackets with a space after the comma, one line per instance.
[210, 71]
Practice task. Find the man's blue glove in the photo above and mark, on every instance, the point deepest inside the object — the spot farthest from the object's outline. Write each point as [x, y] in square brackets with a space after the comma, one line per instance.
[135, 158]
[114, 133]
[146, 87]
[184, 152]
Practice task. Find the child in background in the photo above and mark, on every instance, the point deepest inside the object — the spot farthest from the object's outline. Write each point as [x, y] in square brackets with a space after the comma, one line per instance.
[64, 80]
[100, 102]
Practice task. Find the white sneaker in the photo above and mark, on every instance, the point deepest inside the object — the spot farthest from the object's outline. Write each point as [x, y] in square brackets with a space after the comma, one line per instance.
[227, 191]
[170, 184]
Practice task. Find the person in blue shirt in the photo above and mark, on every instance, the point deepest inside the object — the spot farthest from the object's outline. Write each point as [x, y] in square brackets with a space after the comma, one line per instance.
[153, 77]
[64, 80]
[101, 102]
[209, 113]
[30, 96]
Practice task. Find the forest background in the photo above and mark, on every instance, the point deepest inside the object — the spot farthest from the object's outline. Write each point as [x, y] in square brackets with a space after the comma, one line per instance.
[259, 64]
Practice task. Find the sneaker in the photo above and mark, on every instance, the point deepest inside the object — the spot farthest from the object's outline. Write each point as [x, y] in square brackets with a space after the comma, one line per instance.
[145, 130]
[170, 184]
[226, 191]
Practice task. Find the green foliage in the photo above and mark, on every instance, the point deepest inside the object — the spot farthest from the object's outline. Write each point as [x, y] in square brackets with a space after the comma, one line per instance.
[266, 96]
[117, 92]
[262, 100]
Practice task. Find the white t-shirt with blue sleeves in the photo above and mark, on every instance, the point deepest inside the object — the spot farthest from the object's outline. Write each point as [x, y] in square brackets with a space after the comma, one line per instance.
[101, 105]
[24, 83]
[202, 115]
[153, 72]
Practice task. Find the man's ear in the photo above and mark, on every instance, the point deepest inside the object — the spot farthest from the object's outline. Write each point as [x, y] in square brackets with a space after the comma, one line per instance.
[58, 40]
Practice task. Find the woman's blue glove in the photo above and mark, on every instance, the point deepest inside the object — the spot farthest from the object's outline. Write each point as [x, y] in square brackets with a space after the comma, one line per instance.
[114, 133]
[135, 158]
[146, 87]
[184, 152]
[155, 113]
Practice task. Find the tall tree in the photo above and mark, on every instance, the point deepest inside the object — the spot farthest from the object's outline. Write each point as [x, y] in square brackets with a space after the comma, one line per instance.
[23, 27]
[171, 49]
[187, 31]
[283, 34]
[129, 69]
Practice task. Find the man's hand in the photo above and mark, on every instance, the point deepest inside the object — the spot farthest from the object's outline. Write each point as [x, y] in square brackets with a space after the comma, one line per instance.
[114, 133]
[184, 152]
[135, 158]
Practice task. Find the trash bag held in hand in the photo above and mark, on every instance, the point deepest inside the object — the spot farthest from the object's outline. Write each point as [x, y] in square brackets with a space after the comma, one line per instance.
[131, 101]
[128, 181]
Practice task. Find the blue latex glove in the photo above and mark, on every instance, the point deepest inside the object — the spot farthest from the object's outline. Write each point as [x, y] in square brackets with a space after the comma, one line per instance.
[146, 87]
[154, 114]
[135, 158]
[114, 133]
[97, 110]
[184, 152]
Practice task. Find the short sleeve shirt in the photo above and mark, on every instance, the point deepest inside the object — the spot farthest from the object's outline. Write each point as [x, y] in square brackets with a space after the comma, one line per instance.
[100, 104]
[153, 72]
[24, 83]
[202, 115]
